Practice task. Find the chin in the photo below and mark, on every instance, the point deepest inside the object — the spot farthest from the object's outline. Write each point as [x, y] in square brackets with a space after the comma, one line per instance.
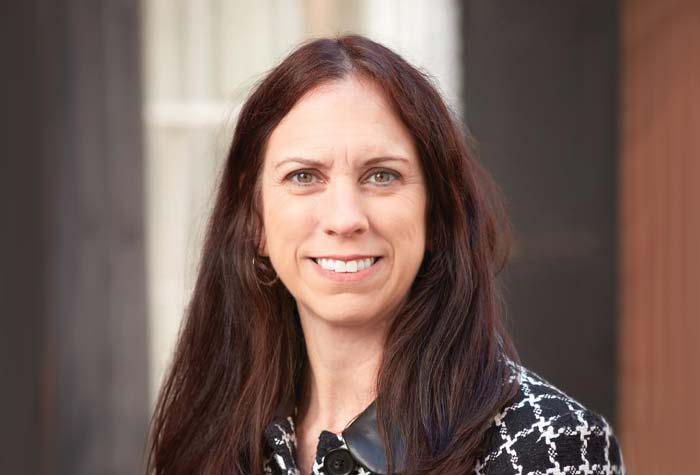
[341, 317]
[341, 313]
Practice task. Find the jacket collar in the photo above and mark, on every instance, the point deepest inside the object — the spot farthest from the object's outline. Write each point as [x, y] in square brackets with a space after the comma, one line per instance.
[363, 440]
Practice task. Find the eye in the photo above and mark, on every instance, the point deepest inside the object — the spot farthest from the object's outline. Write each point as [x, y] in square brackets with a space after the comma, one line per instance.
[383, 177]
[301, 177]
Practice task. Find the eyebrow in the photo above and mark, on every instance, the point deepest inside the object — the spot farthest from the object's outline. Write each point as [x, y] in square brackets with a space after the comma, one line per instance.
[326, 165]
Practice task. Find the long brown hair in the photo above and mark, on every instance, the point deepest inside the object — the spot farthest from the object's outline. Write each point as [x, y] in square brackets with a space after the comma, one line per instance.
[444, 373]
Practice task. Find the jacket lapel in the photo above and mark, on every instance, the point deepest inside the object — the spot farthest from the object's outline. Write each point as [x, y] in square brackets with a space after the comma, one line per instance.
[362, 438]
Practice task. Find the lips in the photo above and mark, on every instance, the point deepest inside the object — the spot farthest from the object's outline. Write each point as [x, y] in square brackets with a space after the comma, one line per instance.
[349, 257]
[345, 271]
[354, 265]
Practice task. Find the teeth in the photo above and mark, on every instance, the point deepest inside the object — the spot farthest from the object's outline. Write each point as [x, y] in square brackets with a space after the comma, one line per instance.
[346, 266]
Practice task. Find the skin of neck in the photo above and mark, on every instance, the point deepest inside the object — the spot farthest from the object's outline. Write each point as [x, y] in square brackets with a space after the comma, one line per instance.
[340, 374]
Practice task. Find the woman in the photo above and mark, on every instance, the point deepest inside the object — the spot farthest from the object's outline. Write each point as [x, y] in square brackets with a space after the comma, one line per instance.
[345, 318]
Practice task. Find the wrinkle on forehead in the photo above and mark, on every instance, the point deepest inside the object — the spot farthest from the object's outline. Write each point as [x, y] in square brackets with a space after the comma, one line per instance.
[340, 120]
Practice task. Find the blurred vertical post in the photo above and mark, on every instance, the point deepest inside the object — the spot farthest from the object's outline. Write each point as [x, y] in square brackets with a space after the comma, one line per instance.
[541, 86]
[74, 315]
[660, 236]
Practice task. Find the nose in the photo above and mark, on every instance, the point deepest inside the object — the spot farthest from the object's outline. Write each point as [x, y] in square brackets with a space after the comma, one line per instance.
[342, 209]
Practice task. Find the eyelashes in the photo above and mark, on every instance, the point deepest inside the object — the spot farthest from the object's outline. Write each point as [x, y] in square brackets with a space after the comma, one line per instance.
[304, 178]
[292, 177]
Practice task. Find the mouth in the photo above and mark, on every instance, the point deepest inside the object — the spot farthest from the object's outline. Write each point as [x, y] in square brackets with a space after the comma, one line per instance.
[350, 266]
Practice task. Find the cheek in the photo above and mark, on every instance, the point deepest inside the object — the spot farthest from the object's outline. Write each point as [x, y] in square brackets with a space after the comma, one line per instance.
[403, 219]
[287, 222]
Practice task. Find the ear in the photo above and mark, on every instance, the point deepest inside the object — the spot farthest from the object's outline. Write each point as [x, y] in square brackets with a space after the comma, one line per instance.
[262, 247]
[257, 232]
[429, 245]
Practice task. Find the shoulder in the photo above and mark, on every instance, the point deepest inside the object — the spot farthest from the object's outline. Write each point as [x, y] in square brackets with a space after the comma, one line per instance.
[543, 430]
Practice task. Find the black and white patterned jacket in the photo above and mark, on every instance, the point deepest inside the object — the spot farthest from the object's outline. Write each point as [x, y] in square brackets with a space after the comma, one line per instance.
[543, 431]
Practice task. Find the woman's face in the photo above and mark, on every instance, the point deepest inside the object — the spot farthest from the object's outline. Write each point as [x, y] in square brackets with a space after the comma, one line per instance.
[342, 188]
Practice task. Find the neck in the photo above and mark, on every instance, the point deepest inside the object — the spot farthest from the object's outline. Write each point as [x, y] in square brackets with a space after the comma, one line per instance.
[340, 377]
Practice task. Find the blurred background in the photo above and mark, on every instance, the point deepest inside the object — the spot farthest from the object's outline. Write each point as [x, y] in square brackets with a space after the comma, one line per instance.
[118, 115]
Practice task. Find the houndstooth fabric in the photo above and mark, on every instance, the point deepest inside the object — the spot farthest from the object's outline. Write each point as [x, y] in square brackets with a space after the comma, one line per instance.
[542, 431]
[281, 437]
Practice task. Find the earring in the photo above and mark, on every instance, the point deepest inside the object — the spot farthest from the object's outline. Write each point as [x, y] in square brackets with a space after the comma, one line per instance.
[264, 269]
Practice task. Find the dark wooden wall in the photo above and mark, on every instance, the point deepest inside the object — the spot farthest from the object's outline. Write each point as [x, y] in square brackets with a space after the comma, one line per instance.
[73, 353]
[540, 95]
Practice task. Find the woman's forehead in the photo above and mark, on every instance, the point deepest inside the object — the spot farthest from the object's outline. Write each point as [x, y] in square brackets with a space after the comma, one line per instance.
[344, 117]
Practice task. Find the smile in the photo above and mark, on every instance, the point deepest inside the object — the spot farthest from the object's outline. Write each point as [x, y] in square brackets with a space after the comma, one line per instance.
[339, 266]
[346, 270]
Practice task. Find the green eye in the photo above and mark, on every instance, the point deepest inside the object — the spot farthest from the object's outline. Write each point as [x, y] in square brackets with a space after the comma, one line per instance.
[383, 177]
[301, 177]
[378, 177]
